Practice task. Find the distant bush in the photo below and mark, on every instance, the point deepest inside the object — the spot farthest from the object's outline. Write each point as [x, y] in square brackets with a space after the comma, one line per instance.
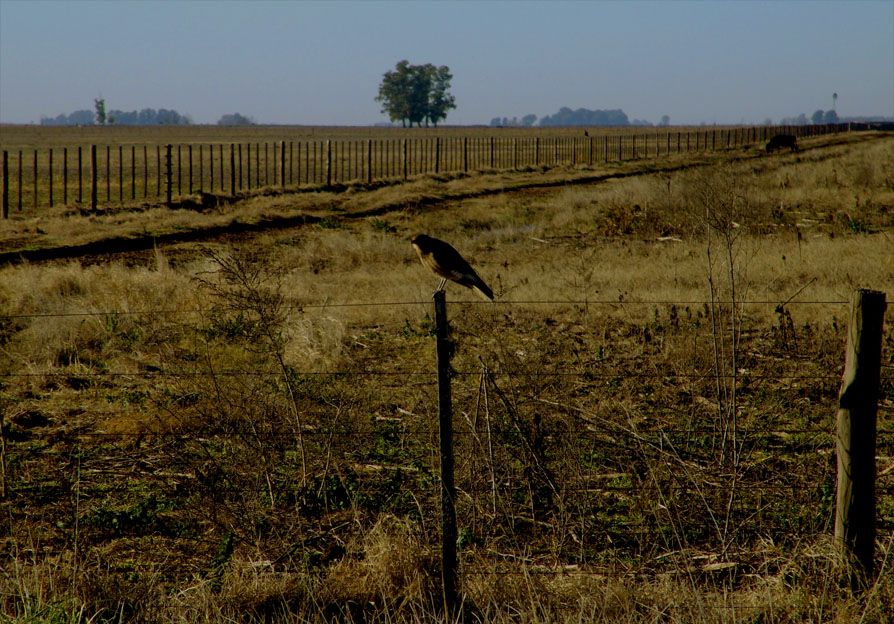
[585, 117]
[77, 118]
[235, 119]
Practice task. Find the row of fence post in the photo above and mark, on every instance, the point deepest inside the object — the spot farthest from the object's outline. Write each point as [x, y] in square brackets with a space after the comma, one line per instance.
[488, 157]
[855, 509]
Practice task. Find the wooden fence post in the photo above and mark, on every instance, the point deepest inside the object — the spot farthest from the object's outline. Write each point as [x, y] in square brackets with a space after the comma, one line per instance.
[133, 172]
[80, 175]
[94, 174]
[65, 176]
[404, 158]
[282, 164]
[169, 176]
[247, 168]
[328, 163]
[121, 174]
[50, 175]
[449, 573]
[233, 169]
[5, 208]
[35, 171]
[179, 172]
[855, 442]
[369, 161]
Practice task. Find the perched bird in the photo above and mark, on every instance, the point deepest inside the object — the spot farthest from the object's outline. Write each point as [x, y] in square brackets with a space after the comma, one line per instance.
[445, 261]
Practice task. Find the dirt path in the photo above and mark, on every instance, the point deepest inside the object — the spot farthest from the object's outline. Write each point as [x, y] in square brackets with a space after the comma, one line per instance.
[300, 209]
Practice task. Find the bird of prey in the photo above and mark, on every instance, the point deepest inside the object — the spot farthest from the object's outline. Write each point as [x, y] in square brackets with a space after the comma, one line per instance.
[445, 261]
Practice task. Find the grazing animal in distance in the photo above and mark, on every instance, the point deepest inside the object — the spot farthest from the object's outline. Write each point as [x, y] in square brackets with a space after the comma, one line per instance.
[447, 262]
[782, 141]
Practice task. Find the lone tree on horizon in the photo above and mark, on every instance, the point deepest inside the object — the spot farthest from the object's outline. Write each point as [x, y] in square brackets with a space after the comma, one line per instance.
[416, 93]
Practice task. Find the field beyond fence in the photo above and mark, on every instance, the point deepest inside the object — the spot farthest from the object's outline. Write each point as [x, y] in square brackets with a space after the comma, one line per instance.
[105, 174]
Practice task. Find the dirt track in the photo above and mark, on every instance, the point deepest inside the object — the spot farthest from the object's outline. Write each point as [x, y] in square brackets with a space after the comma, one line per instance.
[349, 206]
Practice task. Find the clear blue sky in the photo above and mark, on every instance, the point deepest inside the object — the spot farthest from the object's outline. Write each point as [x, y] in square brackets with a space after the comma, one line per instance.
[321, 62]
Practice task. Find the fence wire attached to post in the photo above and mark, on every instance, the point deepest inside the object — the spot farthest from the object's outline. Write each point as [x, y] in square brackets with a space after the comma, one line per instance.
[449, 564]
[856, 439]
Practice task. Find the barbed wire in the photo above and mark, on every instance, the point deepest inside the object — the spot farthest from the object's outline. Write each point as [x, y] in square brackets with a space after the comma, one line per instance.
[377, 304]
[411, 373]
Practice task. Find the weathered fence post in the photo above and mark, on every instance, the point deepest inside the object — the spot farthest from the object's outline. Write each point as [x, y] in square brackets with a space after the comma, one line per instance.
[282, 164]
[449, 573]
[369, 161]
[121, 174]
[179, 172]
[65, 176]
[94, 190]
[247, 177]
[189, 170]
[80, 175]
[5, 208]
[169, 176]
[35, 171]
[50, 175]
[404, 158]
[855, 442]
[328, 163]
[233, 169]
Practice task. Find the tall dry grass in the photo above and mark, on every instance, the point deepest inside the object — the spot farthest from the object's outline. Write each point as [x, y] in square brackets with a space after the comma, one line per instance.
[193, 434]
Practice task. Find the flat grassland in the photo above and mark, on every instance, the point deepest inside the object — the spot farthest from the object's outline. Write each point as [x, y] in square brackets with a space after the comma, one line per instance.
[113, 168]
[231, 413]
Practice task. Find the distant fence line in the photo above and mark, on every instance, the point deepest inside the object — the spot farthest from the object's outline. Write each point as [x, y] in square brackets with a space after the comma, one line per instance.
[106, 175]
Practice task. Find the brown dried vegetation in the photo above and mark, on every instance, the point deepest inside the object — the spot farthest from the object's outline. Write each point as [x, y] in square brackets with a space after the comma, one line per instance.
[245, 428]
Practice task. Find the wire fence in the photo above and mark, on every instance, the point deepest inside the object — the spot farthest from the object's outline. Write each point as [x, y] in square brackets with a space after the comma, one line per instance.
[105, 176]
[596, 454]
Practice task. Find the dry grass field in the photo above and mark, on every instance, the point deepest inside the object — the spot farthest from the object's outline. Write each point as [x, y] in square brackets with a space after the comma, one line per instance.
[99, 169]
[230, 414]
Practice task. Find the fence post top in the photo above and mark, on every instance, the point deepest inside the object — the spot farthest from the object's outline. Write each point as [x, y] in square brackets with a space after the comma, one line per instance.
[870, 293]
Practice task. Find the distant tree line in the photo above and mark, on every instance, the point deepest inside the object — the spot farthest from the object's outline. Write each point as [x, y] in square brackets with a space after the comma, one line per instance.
[818, 117]
[580, 117]
[145, 117]
[505, 122]
[77, 118]
[235, 119]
